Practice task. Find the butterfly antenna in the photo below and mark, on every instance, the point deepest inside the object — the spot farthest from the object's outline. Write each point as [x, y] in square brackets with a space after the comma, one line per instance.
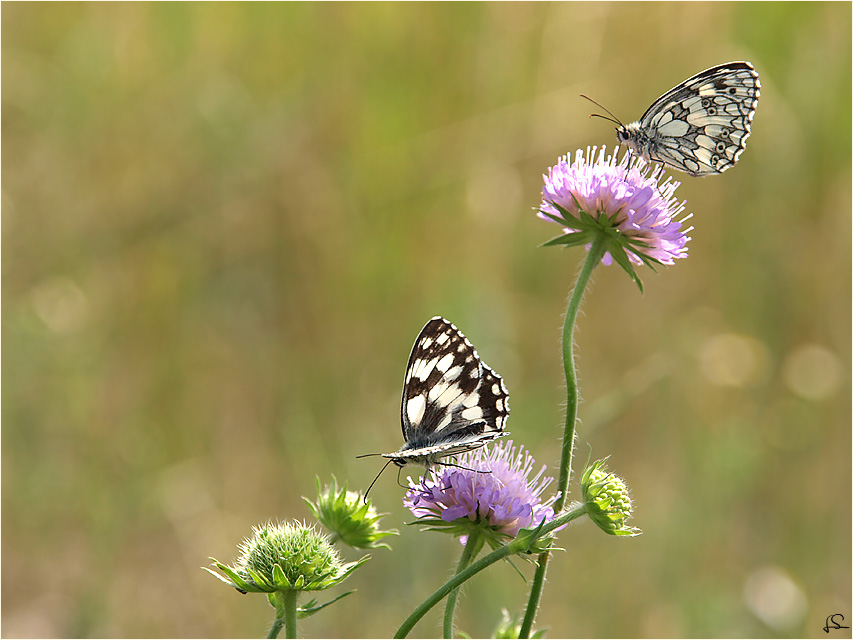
[459, 466]
[612, 118]
[377, 475]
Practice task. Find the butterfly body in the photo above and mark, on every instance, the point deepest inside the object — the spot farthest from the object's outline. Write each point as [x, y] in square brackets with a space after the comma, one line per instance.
[452, 401]
[699, 127]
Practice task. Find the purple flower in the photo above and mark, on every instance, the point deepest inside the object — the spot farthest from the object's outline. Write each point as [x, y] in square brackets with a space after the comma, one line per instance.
[502, 502]
[624, 199]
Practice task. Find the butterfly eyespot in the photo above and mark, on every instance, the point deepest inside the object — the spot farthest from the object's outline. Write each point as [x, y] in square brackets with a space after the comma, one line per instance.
[732, 91]
[724, 133]
[721, 147]
[706, 102]
[715, 159]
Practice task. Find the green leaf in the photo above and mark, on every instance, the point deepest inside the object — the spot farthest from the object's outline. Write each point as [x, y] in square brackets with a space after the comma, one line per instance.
[279, 579]
[352, 566]
[312, 506]
[563, 211]
[365, 507]
[259, 580]
[238, 581]
[570, 239]
[311, 607]
[556, 219]
[526, 538]
[622, 260]
[228, 582]
[589, 221]
[633, 531]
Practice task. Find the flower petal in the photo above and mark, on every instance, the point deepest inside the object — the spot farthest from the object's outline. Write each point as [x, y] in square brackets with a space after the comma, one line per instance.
[629, 192]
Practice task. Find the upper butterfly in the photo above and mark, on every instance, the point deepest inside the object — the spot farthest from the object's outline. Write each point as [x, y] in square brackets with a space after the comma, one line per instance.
[700, 126]
[452, 401]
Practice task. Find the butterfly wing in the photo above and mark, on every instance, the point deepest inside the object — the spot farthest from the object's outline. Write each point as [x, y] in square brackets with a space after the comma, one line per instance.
[701, 126]
[452, 401]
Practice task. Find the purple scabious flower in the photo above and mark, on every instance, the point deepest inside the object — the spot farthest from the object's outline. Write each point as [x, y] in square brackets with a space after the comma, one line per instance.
[624, 199]
[500, 502]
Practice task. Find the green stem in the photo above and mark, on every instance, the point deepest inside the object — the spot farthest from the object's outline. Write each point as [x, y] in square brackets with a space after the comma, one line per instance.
[472, 547]
[275, 629]
[535, 597]
[277, 600]
[285, 612]
[519, 545]
[593, 257]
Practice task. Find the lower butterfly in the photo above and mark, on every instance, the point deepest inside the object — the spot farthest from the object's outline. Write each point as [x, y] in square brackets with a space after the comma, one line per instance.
[452, 401]
[699, 127]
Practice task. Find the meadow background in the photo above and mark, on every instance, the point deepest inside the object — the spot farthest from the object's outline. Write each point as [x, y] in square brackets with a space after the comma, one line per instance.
[224, 225]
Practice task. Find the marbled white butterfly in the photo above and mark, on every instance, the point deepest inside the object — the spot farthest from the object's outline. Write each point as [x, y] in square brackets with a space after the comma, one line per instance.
[452, 401]
[700, 126]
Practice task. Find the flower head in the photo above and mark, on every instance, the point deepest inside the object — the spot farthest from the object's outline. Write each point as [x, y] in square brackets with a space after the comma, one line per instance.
[625, 200]
[606, 498]
[348, 517]
[491, 490]
[287, 556]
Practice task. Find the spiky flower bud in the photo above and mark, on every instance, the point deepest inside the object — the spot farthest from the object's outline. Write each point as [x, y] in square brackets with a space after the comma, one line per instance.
[606, 498]
[347, 517]
[287, 556]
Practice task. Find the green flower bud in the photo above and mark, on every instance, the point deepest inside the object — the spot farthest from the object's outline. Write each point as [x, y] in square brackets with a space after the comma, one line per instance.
[305, 557]
[288, 556]
[509, 628]
[606, 498]
[348, 517]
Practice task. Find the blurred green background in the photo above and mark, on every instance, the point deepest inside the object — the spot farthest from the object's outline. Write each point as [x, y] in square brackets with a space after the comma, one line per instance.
[225, 224]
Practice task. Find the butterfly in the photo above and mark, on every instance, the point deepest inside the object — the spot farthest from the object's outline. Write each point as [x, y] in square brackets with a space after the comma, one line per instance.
[452, 401]
[700, 126]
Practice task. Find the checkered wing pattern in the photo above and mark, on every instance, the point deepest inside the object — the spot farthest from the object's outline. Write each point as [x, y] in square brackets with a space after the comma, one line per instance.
[452, 401]
[699, 127]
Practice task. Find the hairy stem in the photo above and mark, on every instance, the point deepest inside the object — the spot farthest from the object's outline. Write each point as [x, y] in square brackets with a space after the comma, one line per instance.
[519, 545]
[472, 546]
[596, 253]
